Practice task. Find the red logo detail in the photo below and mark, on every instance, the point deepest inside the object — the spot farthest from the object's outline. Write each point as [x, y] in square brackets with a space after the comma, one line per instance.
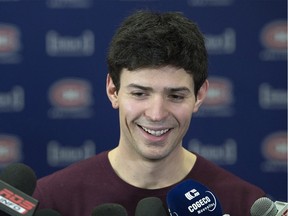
[70, 93]
[16, 199]
[275, 146]
[219, 93]
[9, 39]
[9, 149]
[274, 35]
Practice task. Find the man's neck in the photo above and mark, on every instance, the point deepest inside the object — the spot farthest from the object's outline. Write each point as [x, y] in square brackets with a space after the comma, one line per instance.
[152, 174]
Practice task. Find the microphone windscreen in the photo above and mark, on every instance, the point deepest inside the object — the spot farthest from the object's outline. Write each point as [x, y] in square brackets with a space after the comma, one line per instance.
[192, 198]
[151, 206]
[109, 209]
[20, 176]
[46, 212]
[263, 206]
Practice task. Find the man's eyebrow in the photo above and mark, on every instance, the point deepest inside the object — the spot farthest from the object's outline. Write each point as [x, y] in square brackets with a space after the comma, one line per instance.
[133, 85]
[178, 89]
[169, 89]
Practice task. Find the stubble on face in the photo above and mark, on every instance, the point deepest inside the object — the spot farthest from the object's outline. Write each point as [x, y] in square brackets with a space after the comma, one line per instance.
[155, 109]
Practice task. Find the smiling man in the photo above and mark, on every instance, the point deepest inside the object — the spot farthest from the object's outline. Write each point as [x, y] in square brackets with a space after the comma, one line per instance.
[157, 79]
[155, 109]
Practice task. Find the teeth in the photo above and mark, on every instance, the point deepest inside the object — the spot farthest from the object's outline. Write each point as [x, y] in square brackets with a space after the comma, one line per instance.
[155, 133]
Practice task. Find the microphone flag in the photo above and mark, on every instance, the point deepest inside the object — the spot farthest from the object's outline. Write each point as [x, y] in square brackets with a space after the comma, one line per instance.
[15, 202]
[191, 198]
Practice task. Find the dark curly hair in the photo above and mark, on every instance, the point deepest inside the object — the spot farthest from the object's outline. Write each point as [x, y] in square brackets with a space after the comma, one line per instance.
[149, 39]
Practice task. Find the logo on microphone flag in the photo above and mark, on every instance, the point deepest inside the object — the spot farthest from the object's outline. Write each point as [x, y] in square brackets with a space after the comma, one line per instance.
[15, 202]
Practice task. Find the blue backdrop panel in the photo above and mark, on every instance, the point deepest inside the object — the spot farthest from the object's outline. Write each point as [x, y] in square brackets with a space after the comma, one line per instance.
[54, 110]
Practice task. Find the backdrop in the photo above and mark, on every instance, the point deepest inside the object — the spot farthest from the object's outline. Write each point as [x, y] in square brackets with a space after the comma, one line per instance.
[53, 106]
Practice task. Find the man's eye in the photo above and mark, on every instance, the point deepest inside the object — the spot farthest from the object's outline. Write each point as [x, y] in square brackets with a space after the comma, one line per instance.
[138, 94]
[176, 97]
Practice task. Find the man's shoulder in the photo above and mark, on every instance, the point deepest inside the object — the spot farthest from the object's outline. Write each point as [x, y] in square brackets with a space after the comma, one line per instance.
[235, 193]
[222, 178]
[78, 169]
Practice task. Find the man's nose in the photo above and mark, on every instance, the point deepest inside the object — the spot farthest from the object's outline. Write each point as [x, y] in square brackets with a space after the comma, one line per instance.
[156, 109]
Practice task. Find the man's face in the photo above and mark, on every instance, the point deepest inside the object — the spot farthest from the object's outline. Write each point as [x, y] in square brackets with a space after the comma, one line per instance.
[155, 110]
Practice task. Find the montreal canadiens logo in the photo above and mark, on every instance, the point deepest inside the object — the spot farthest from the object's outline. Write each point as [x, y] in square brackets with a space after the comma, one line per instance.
[9, 39]
[219, 92]
[274, 146]
[9, 148]
[274, 35]
[70, 93]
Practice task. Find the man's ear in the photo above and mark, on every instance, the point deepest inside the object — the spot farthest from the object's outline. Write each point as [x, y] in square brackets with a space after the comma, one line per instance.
[201, 95]
[112, 92]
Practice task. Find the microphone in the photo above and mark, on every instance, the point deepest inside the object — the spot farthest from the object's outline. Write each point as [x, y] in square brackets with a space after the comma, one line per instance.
[17, 184]
[20, 176]
[151, 206]
[46, 212]
[266, 207]
[191, 198]
[109, 209]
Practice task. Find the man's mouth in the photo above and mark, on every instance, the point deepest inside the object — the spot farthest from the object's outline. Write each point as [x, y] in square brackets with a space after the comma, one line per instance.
[155, 132]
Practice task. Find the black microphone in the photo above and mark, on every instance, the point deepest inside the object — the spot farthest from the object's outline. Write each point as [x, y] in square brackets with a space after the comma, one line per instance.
[17, 184]
[265, 206]
[150, 206]
[20, 176]
[47, 212]
[109, 209]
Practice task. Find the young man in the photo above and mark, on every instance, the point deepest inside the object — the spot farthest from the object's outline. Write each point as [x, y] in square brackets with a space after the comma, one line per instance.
[157, 79]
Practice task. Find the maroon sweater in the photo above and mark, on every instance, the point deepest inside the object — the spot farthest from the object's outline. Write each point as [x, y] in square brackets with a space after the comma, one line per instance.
[77, 189]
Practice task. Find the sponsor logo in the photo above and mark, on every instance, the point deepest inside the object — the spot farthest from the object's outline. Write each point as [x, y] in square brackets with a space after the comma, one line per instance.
[192, 194]
[9, 44]
[225, 154]
[70, 98]
[219, 99]
[207, 203]
[12, 101]
[59, 155]
[58, 45]
[10, 149]
[224, 43]
[271, 98]
[69, 3]
[274, 39]
[15, 202]
[274, 149]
